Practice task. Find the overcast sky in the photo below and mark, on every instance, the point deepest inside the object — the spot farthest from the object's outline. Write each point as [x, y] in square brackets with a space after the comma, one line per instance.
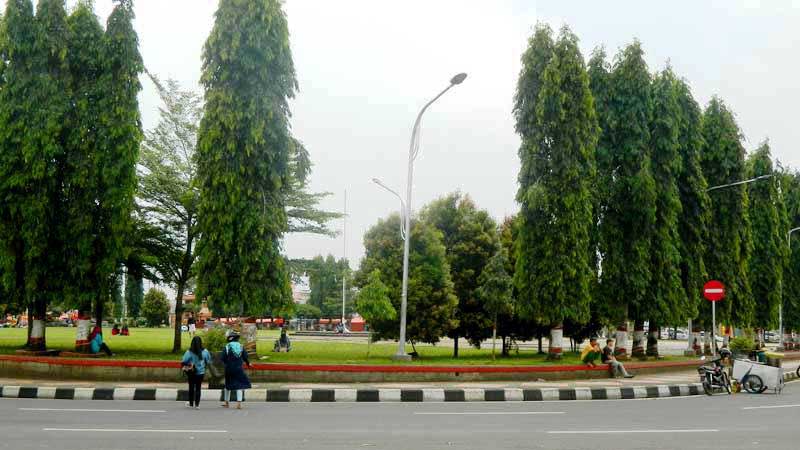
[365, 67]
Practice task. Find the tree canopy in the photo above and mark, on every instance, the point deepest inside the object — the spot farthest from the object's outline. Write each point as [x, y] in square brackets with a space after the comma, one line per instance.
[431, 302]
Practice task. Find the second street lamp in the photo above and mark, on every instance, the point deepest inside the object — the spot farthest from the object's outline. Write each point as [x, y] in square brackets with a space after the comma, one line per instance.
[413, 152]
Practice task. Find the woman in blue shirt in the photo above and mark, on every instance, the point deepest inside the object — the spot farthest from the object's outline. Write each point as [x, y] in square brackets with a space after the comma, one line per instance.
[194, 364]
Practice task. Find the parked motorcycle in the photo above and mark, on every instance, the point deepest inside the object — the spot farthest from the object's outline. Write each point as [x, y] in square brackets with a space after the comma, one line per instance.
[714, 377]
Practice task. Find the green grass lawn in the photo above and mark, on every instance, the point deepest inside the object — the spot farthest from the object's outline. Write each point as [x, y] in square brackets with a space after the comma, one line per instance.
[156, 343]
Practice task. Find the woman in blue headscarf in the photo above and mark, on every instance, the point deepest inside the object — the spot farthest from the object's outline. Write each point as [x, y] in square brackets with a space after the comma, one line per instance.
[234, 356]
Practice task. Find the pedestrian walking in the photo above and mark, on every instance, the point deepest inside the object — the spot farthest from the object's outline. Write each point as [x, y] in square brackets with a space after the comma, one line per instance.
[234, 356]
[194, 366]
[191, 324]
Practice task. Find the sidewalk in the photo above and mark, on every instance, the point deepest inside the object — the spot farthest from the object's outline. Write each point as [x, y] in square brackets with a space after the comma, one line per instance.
[654, 386]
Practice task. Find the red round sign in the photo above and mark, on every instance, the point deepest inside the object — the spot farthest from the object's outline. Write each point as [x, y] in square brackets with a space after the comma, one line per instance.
[714, 291]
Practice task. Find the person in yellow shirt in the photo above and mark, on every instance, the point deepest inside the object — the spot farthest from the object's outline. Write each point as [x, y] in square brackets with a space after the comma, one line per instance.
[591, 353]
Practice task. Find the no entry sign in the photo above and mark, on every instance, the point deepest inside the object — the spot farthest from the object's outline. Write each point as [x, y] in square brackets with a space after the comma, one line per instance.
[714, 291]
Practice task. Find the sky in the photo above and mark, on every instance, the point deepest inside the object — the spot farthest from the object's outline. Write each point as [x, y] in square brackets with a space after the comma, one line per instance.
[365, 67]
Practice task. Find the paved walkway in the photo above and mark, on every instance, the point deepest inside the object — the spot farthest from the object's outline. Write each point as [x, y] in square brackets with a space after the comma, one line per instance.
[672, 378]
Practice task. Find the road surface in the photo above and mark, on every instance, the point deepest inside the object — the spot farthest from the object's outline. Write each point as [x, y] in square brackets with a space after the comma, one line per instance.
[741, 421]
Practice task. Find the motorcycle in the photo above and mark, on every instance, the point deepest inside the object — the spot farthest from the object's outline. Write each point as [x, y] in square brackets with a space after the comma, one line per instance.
[715, 377]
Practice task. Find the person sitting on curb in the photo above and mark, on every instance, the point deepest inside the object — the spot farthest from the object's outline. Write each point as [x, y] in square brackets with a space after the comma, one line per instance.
[591, 353]
[282, 342]
[616, 367]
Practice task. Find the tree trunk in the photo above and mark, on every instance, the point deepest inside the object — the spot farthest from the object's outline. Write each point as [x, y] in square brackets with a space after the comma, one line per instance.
[621, 345]
[455, 347]
[638, 340]
[541, 350]
[494, 336]
[369, 342]
[37, 322]
[176, 339]
[82, 330]
[707, 344]
[556, 339]
[652, 339]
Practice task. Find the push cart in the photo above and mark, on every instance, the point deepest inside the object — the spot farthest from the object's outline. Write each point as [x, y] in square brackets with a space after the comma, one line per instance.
[756, 377]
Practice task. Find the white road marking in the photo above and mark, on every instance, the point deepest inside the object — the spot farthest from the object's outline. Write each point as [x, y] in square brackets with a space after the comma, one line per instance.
[487, 413]
[95, 410]
[632, 431]
[771, 407]
[131, 430]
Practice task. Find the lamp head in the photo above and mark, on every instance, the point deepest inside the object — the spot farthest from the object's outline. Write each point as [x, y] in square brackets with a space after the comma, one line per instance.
[458, 79]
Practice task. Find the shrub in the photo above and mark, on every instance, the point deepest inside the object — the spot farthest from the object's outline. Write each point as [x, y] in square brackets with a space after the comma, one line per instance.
[742, 344]
[214, 339]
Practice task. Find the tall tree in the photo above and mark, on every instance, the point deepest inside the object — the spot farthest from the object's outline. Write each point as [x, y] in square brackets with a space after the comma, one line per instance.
[769, 238]
[470, 240]
[102, 151]
[431, 304]
[35, 152]
[243, 156]
[791, 284]
[168, 195]
[82, 165]
[694, 221]
[667, 303]
[554, 272]
[119, 151]
[629, 214]
[729, 243]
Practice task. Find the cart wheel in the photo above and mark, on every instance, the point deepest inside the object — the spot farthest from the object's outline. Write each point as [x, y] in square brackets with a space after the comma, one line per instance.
[754, 384]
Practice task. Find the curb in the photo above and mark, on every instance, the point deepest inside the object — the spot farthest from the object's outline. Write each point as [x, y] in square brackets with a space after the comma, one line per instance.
[361, 395]
[368, 395]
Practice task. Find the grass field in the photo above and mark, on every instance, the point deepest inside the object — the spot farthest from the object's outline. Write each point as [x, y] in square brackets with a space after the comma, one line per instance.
[156, 343]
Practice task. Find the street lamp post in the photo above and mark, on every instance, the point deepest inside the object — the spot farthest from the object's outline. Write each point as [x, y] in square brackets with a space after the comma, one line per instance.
[782, 344]
[413, 152]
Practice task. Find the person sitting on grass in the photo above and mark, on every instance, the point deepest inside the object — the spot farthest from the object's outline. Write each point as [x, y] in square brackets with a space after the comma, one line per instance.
[96, 341]
[115, 330]
[282, 342]
[125, 331]
[591, 353]
[616, 367]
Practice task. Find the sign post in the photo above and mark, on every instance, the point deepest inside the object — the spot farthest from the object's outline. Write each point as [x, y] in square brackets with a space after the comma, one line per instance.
[714, 291]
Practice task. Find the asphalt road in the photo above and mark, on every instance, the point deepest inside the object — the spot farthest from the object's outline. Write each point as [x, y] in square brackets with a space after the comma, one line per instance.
[742, 421]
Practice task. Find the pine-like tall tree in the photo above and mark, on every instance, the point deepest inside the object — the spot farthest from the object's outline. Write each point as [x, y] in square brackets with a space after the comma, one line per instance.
[553, 272]
[791, 283]
[243, 157]
[82, 164]
[629, 212]
[769, 238]
[667, 304]
[729, 242]
[695, 203]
